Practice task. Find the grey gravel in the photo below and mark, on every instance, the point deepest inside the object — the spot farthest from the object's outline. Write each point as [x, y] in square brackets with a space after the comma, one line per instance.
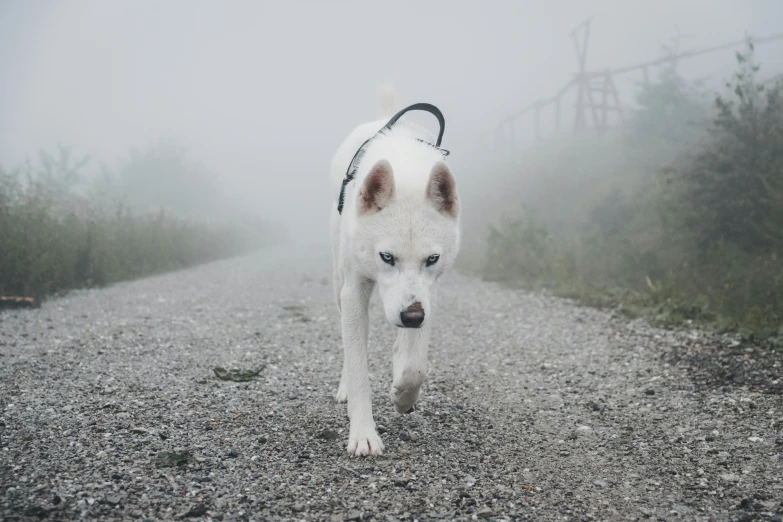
[535, 409]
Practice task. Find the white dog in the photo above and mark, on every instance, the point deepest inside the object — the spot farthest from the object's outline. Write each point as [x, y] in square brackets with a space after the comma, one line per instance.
[399, 229]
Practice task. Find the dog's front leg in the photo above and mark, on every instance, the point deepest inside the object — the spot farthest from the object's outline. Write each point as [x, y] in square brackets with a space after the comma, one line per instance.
[362, 438]
[409, 367]
[410, 361]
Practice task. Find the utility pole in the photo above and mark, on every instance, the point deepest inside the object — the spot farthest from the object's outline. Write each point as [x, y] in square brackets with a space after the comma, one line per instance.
[590, 84]
[581, 37]
[672, 51]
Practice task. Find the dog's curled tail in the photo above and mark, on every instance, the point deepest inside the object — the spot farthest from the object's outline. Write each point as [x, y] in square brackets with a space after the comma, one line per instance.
[387, 106]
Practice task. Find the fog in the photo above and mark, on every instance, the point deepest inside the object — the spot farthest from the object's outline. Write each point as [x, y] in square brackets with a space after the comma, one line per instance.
[261, 93]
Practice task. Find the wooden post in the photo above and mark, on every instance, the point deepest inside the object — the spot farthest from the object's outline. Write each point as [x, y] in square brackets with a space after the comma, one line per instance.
[583, 84]
[616, 94]
[591, 102]
[579, 121]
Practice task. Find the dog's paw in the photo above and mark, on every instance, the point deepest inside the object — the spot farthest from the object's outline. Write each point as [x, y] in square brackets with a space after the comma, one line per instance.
[404, 400]
[365, 442]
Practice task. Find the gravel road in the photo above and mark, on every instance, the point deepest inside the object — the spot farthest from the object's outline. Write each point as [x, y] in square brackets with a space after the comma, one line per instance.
[535, 409]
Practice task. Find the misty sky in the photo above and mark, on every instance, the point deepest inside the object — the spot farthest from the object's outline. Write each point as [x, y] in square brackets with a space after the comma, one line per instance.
[264, 92]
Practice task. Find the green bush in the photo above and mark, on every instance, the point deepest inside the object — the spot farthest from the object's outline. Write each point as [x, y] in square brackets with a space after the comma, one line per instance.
[60, 232]
[733, 190]
[683, 217]
[524, 251]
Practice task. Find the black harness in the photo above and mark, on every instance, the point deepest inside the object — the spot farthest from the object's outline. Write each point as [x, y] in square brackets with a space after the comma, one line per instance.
[353, 166]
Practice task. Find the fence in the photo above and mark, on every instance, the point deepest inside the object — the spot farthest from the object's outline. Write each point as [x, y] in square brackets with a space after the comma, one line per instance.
[598, 104]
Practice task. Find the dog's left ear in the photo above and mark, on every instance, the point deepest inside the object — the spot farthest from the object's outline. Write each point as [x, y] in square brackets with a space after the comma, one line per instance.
[442, 190]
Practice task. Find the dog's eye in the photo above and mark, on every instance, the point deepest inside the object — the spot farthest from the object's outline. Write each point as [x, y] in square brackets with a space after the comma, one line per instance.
[387, 258]
[432, 259]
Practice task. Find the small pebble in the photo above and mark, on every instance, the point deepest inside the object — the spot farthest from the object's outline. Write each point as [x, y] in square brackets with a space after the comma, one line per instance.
[113, 500]
[328, 435]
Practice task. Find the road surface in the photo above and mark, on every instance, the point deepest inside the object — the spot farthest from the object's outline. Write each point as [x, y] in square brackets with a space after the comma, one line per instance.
[535, 408]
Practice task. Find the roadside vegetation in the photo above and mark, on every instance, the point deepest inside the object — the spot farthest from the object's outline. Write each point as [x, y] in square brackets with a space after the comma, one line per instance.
[679, 216]
[61, 228]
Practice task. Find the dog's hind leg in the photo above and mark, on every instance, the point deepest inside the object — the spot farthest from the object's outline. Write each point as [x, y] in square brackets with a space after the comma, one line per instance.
[342, 390]
[363, 439]
[337, 282]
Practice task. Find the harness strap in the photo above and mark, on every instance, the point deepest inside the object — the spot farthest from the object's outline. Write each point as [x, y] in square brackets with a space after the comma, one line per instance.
[426, 107]
[350, 173]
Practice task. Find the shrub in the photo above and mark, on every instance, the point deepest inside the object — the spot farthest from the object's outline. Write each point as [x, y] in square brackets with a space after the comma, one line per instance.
[692, 230]
[57, 232]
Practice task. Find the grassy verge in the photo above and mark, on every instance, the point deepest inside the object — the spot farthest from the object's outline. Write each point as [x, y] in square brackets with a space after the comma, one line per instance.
[57, 235]
[739, 296]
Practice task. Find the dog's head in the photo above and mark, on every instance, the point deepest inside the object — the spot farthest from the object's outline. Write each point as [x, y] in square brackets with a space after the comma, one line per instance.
[407, 236]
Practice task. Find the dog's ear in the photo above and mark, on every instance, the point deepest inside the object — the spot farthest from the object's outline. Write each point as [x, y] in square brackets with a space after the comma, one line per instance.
[378, 188]
[442, 190]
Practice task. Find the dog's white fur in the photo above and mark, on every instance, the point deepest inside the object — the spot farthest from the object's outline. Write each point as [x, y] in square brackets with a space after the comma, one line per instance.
[403, 201]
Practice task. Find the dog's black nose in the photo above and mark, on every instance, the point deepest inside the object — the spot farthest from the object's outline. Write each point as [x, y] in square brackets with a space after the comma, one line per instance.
[413, 316]
[411, 319]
